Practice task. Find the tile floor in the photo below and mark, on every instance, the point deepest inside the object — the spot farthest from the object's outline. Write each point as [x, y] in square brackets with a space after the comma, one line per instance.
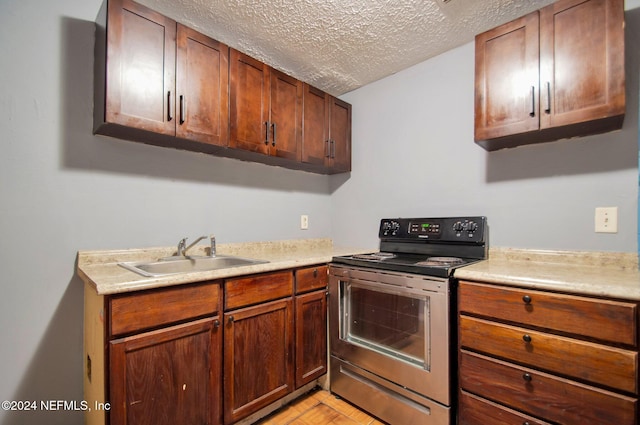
[319, 407]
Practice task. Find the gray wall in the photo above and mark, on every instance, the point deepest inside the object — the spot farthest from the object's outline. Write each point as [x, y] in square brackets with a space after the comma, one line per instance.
[63, 189]
[414, 155]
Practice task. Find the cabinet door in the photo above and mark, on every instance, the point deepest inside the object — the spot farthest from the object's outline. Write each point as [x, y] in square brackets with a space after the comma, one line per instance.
[311, 337]
[249, 113]
[202, 88]
[285, 115]
[258, 357]
[170, 376]
[340, 136]
[315, 136]
[140, 68]
[582, 61]
[506, 79]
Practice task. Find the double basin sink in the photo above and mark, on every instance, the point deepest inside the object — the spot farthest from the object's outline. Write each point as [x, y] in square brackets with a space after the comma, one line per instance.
[188, 264]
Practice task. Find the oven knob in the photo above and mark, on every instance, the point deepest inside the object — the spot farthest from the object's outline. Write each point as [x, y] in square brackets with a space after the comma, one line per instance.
[395, 226]
[472, 226]
[386, 226]
[458, 226]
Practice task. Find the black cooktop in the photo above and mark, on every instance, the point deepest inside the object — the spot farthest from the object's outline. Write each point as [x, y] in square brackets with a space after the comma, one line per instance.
[427, 246]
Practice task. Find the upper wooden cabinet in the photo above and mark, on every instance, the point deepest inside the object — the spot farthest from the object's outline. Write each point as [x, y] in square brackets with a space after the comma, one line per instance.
[202, 88]
[555, 73]
[339, 155]
[161, 83]
[266, 108]
[159, 78]
[326, 138]
[135, 52]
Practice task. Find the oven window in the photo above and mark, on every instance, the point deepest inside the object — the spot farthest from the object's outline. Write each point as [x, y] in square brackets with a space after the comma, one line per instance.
[392, 323]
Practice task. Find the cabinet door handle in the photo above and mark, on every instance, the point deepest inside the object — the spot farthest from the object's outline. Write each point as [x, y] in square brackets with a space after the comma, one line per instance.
[533, 102]
[216, 323]
[526, 299]
[273, 129]
[527, 377]
[526, 338]
[266, 132]
[333, 148]
[231, 319]
[182, 109]
[327, 144]
[548, 109]
[169, 115]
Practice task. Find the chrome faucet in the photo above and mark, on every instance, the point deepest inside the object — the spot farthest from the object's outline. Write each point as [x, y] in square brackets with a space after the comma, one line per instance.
[183, 248]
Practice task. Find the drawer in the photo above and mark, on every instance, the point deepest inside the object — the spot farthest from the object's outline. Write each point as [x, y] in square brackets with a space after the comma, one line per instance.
[542, 395]
[311, 278]
[257, 289]
[478, 411]
[613, 321]
[143, 310]
[600, 364]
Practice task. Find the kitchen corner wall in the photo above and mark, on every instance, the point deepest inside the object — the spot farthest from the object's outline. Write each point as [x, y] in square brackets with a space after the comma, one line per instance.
[63, 190]
[414, 155]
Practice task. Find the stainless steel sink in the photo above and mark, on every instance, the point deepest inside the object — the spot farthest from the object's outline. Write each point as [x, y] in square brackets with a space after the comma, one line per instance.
[176, 265]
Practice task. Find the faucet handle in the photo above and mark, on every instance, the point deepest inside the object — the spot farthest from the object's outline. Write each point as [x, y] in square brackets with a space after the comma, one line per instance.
[182, 245]
[212, 252]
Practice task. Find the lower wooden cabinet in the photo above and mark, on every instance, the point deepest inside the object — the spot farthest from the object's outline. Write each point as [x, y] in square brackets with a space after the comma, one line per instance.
[311, 324]
[154, 356]
[204, 353]
[167, 377]
[537, 357]
[311, 337]
[550, 397]
[258, 360]
[475, 410]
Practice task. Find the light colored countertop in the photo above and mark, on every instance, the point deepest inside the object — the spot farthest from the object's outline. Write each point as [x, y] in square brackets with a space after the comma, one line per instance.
[602, 274]
[100, 269]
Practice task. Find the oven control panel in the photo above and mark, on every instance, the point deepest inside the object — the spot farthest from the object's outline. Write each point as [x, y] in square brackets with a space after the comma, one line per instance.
[443, 229]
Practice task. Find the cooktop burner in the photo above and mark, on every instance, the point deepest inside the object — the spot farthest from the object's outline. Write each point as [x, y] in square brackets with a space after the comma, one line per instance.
[441, 261]
[375, 256]
[428, 246]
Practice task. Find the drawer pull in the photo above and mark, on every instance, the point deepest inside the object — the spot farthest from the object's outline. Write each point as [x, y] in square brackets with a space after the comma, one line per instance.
[526, 377]
[526, 299]
[315, 273]
[526, 338]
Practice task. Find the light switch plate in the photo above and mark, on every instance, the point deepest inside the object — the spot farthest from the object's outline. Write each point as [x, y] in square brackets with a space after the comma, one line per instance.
[304, 222]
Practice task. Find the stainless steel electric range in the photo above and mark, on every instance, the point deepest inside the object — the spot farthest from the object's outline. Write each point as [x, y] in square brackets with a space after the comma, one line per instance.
[391, 314]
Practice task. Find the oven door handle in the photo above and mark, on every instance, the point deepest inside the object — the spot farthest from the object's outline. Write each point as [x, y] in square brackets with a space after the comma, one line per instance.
[390, 288]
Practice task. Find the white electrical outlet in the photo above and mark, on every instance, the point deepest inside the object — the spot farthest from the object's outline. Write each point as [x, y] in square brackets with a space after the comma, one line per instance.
[304, 222]
[607, 220]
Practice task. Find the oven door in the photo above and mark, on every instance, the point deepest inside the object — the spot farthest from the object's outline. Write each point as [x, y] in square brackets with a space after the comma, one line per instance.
[393, 325]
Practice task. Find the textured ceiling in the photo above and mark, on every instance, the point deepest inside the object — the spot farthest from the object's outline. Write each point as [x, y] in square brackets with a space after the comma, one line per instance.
[340, 45]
